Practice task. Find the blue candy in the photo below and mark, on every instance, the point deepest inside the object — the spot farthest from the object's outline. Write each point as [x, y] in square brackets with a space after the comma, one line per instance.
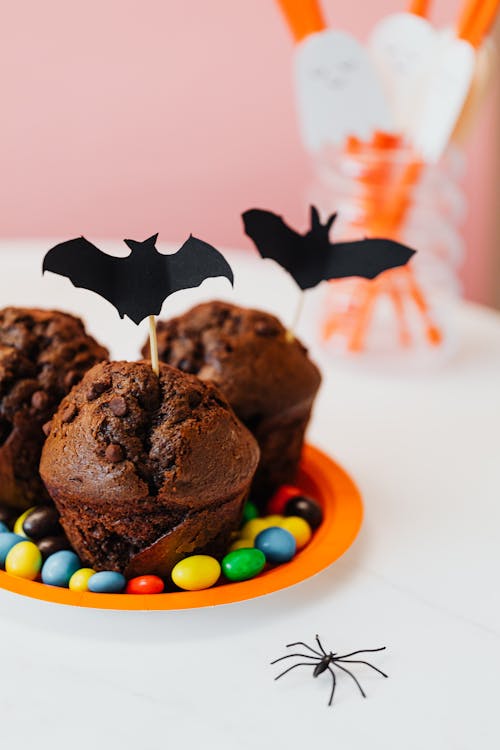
[7, 541]
[278, 545]
[3, 528]
[59, 567]
[107, 582]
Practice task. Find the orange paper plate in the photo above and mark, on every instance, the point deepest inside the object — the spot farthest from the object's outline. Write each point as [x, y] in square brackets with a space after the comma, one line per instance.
[319, 476]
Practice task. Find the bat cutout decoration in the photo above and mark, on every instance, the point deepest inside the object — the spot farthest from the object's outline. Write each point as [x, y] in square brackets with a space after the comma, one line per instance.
[138, 284]
[311, 258]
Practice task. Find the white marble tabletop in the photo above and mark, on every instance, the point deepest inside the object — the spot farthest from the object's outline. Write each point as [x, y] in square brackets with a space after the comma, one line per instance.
[422, 579]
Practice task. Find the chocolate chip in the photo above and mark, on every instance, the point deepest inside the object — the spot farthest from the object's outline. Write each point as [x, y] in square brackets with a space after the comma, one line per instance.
[98, 387]
[68, 413]
[71, 378]
[39, 400]
[265, 327]
[46, 428]
[118, 406]
[114, 453]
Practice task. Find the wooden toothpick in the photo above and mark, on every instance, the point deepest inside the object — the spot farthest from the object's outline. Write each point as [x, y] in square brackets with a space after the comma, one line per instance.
[153, 345]
[290, 334]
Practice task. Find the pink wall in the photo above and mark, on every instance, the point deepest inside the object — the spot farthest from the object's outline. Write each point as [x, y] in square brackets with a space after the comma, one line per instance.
[124, 117]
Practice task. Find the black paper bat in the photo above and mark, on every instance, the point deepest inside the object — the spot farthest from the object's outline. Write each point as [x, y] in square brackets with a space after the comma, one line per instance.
[311, 258]
[138, 284]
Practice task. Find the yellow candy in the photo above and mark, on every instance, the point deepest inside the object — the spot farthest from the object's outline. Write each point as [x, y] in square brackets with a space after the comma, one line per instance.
[240, 544]
[273, 520]
[196, 572]
[24, 560]
[298, 528]
[18, 526]
[80, 579]
[252, 528]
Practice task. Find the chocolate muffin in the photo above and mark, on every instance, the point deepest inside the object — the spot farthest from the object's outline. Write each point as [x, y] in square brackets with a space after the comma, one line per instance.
[146, 470]
[43, 353]
[264, 373]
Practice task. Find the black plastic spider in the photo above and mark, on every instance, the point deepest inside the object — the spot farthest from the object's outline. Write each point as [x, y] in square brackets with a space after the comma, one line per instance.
[324, 661]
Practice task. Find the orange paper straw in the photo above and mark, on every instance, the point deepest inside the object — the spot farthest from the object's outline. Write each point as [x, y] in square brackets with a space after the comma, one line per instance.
[304, 17]
[482, 22]
[420, 8]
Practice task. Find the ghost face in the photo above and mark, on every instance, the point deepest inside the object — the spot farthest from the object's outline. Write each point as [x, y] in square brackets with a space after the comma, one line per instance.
[337, 91]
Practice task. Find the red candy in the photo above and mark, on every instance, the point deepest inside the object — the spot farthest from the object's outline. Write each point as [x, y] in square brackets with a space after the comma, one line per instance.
[145, 585]
[276, 504]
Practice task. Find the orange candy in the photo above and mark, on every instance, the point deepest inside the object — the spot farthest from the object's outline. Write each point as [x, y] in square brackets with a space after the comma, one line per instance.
[145, 585]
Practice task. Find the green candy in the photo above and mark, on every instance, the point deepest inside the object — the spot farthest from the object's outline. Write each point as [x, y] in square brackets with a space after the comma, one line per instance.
[249, 512]
[242, 564]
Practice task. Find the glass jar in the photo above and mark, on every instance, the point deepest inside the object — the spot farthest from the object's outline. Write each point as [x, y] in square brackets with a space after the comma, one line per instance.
[380, 190]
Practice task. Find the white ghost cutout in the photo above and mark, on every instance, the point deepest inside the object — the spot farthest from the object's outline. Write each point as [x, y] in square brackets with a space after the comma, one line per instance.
[402, 46]
[338, 93]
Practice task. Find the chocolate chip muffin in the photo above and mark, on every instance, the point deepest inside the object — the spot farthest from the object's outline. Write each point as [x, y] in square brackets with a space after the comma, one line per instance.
[264, 373]
[146, 470]
[43, 353]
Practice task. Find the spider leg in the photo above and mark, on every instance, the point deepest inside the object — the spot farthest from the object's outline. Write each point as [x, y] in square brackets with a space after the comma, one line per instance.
[300, 664]
[301, 643]
[289, 656]
[320, 646]
[361, 651]
[351, 675]
[346, 661]
[334, 679]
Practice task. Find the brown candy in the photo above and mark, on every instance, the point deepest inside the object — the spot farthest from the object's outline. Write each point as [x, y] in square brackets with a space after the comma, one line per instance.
[114, 453]
[50, 544]
[118, 406]
[42, 522]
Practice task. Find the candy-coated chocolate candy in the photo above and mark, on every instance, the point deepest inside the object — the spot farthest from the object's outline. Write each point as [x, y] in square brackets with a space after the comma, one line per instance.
[3, 528]
[7, 541]
[196, 572]
[241, 544]
[277, 544]
[145, 585]
[59, 567]
[79, 581]
[24, 560]
[305, 508]
[249, 511]
[299, 528]
[274, 520]
[50, 544]
[280, 498]
[43, 521]
[107, 582]
[18, 526]
[242, 564]
[252, 528]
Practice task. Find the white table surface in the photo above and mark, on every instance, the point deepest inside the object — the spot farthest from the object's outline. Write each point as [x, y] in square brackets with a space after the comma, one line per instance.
[422, 578]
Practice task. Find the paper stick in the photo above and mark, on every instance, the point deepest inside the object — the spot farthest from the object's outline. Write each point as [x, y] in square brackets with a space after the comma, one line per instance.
[482, 22]
[304, 17]
[290, 334]
[153, 345]
[420, 8]
[486, 63]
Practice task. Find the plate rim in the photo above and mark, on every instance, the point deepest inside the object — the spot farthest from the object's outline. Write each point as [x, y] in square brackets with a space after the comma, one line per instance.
[343, 515]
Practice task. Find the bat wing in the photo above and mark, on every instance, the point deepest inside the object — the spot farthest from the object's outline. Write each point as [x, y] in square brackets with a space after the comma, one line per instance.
[86, 267]
[366, 258]
[192, 264]
[275, 239]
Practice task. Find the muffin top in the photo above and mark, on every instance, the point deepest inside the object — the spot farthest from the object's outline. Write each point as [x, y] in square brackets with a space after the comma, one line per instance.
[128, 442]
[247, 353]
[43, 353]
